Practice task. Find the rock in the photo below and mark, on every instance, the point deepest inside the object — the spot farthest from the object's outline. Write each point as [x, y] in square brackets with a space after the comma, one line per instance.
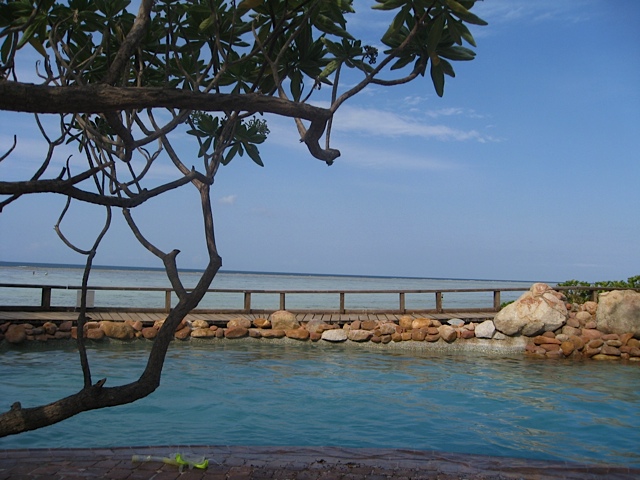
[94, 334]
[60, 335]
[406, 336]
[117, 330]
[183, 333]
[50, 328]
[485, 329]
[467, 334]
[205, 332]
[539, 304]
[316, 325]
[432, 338]
[567, 348]
[385, 339]
[456, 322]
[196, 324]
[577, 341]
[356, 325]
[420, 323]
[314, 337]
[136, 325]
[602, 356]
[255, 333]
[532, 329]
[270, 333]
[396, 337]
[591, 307]
[590, 334]
[239, 322]
[542, 340]
[448, 333]
[298, 333]
[610, 350]
[336, 335]
[149, 333]
[262, 323]
[368, 325]
[583, 317]
[619, 312]
[387, 328]
[571, 331]
[359, 335]
[15, 334]
[283, 320]
[405, 322]
[235, 332]
[595, 343]
[418, 335]
[65, 326]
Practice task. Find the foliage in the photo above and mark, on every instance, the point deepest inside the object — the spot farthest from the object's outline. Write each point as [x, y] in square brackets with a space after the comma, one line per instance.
[125, 86]
[578, 295]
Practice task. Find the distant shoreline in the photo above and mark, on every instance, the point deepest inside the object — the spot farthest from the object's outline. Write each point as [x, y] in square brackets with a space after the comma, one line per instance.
[250, 272]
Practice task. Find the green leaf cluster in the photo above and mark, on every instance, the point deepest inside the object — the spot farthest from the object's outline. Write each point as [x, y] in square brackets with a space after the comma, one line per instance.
[581, 296]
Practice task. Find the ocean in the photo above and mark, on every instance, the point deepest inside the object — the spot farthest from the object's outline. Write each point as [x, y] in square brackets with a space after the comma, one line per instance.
[64, 276]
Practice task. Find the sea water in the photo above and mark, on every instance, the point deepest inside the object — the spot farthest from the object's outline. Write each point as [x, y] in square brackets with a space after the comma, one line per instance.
[253, 392]
[64, 276]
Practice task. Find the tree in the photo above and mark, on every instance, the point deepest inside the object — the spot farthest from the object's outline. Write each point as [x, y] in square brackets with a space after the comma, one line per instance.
[123, 85]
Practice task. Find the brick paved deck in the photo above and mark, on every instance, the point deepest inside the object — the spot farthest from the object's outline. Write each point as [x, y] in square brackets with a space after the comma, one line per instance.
[291, 463]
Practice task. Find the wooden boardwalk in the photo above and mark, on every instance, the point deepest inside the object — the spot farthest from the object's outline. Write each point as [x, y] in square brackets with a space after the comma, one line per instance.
[222, 318]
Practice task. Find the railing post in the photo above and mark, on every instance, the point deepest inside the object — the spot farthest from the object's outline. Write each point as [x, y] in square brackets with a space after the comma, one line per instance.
[439, 302]
[496, 300]
[342, 309]
[282, 301]
[167, 301]
[45, 301]
[247, 302]
[594, 295]
[403, 308]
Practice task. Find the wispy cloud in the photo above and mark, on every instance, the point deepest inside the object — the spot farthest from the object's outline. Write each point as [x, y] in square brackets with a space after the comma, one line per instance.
[228, 200]
[369, 121]
[507, 11]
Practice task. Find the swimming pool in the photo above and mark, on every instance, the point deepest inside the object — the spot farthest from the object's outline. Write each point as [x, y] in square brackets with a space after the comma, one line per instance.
[250, 392]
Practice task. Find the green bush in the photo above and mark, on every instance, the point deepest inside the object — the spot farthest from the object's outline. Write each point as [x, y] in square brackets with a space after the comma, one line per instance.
[581, 296]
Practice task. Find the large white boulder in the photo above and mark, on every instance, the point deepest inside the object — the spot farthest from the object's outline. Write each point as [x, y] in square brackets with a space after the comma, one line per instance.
[619, 312]
[541, 306]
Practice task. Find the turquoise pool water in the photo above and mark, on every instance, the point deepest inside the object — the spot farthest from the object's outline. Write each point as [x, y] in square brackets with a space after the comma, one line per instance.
[259, 393]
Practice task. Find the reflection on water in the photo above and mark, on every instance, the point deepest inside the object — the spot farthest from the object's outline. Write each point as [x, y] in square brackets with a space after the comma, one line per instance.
[254, 393]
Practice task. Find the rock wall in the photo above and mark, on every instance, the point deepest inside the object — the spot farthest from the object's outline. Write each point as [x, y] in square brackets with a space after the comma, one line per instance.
[539, 323]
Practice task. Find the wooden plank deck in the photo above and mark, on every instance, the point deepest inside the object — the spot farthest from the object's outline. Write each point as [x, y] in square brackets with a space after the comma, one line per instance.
[223, 318]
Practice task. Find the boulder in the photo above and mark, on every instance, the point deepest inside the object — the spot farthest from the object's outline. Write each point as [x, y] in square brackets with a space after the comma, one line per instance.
[336, 335]
[448, 333]
[297, 333]
[66, 326]
[196, 324]
[420, 323]
[118, 330]
[149, 333]
[539, 304]
[316, 325]
[16, 334]
[359, 335]
[387, 328]
[203, 333]
[485, 329]
[619, 312]
[94, 334]
[183, 333]
[50, 328]
[405, 321]
[283, 320]
[262, 323]
[235, 332]
[270, 333]
[239, 322]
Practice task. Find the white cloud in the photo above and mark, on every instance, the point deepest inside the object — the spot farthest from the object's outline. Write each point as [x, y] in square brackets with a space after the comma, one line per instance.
[369, 121]
[228, 200]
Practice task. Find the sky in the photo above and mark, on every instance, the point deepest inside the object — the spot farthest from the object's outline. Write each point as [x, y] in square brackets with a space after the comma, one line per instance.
[527, 169]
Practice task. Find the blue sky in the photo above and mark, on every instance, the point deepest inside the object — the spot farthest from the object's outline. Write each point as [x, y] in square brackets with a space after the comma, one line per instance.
[527, 169]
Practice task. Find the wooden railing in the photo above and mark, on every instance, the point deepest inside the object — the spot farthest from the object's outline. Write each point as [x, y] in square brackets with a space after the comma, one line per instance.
[248, 295]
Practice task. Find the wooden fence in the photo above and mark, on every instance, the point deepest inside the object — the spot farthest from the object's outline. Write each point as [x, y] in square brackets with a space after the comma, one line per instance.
[249, 295]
